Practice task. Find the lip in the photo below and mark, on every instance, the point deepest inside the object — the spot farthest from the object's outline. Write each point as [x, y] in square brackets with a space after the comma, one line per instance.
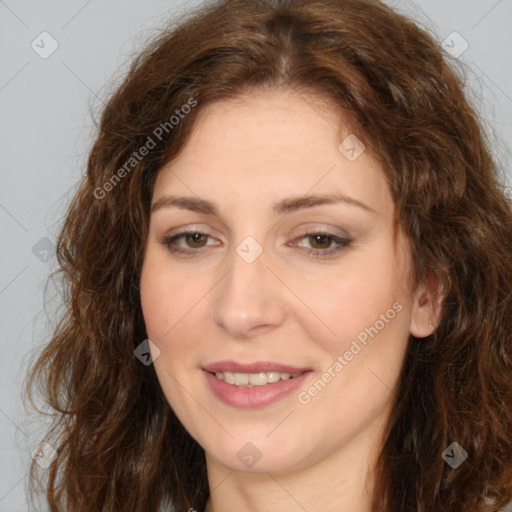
[254, 397]
[258, 367]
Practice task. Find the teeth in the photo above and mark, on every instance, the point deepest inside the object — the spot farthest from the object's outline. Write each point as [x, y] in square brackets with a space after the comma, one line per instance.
[241, 379]
[253, 379]
[273, 376]
[228, 377]
[256, 379]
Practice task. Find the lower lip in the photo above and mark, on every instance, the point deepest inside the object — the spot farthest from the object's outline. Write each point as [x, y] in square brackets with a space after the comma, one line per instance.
[255, 396]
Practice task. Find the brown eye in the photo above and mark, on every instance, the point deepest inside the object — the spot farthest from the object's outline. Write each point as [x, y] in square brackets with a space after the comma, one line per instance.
[188, 243]
[322, 244]
[195, 240]
[319, 241]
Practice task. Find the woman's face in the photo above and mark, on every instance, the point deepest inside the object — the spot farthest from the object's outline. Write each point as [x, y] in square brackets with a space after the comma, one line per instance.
[290, 267]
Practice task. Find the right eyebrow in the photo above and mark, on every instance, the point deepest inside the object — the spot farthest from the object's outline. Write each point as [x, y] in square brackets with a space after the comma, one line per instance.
[185, 203]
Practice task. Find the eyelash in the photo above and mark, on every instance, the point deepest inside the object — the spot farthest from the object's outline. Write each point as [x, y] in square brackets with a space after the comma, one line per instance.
[343, 243]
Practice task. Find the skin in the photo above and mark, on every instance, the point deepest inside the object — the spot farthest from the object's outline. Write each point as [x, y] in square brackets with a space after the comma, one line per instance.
[287, 306]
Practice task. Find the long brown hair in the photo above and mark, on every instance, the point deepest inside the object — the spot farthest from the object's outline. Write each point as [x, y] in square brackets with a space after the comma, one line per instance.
[119, 445]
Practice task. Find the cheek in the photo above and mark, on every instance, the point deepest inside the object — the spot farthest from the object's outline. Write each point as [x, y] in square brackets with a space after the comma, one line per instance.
[155, 302]
[168, 297]
[170, 304]
[344, 304]
[177, 310]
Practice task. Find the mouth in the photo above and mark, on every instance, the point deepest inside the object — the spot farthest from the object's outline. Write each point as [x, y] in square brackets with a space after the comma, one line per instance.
[254, 374]
[253, 385]
[254, 379]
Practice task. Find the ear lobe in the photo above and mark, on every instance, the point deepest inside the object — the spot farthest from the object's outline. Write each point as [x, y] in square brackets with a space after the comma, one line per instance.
[426, 311]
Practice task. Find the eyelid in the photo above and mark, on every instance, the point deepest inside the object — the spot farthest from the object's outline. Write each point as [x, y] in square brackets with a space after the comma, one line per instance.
[324, 230]
[188, 229]
[309, 230]
[329, 231]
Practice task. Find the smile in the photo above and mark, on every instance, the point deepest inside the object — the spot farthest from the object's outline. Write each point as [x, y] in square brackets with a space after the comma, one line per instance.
[254, 379]
[253, 390]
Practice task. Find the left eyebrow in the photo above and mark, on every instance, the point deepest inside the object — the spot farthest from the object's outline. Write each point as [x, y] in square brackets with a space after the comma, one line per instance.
[284, 206]
[301, 202]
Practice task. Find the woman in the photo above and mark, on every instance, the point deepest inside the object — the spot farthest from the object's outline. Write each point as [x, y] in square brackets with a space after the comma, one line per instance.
[289, 274]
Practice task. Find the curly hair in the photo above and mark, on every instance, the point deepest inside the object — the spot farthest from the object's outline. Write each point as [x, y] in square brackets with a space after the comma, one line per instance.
[119, 445]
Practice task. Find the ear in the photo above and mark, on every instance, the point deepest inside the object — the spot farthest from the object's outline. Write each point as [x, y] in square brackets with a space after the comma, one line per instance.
[426, 311]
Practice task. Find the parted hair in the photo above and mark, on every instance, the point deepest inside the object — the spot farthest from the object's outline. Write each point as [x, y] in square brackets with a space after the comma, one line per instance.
[119, 445]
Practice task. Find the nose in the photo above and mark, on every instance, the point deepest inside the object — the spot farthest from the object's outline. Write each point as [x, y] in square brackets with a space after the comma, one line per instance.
[249, 300]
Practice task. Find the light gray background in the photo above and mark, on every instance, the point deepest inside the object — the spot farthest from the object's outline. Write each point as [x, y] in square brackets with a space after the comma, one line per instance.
[47, 129]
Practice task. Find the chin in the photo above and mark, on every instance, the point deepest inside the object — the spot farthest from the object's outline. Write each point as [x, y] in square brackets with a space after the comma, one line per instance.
[251, 453]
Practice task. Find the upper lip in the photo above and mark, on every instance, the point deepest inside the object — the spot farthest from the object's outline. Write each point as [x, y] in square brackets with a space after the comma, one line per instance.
[258, 367]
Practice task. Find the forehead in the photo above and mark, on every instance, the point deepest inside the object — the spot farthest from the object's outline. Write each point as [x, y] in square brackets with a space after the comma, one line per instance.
[268, 125]
[271, 144]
